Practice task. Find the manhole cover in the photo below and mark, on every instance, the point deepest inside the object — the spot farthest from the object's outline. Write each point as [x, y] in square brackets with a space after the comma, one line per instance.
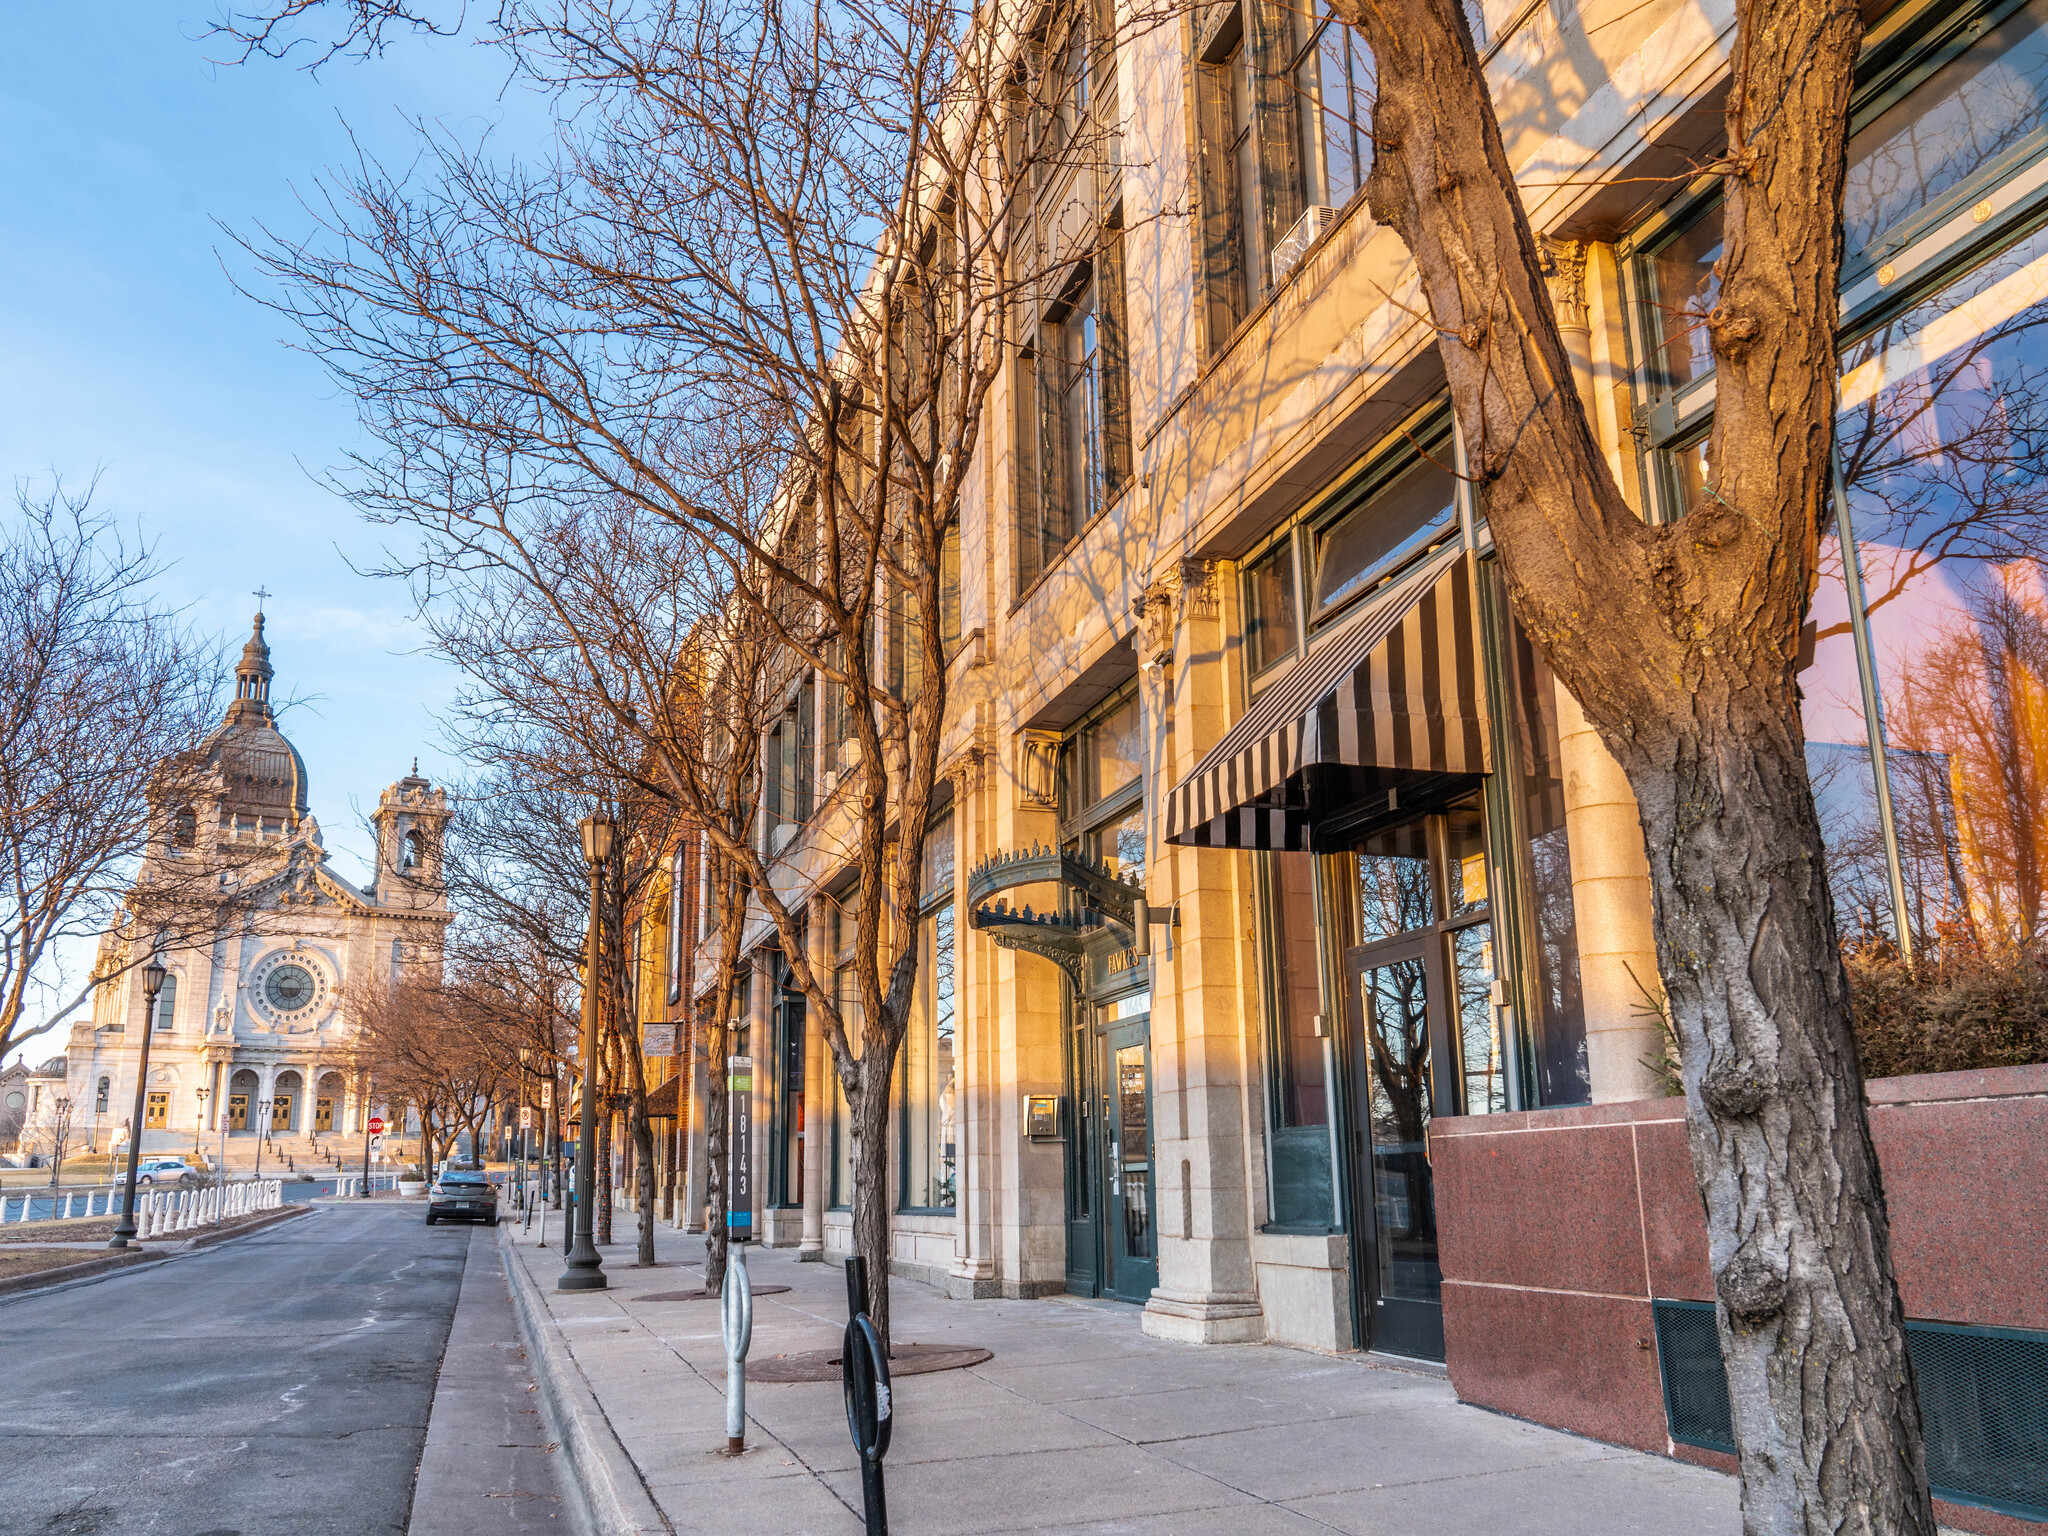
[904, 1360]
[700, 1294]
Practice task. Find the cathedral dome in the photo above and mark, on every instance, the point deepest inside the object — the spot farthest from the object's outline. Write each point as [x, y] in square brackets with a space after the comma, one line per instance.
[262, 771]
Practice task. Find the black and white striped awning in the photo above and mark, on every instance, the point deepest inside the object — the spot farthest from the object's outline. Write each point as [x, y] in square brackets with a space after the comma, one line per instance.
[1395, 687]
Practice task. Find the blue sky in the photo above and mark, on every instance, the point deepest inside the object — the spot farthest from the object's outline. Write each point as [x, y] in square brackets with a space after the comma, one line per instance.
[125, 348]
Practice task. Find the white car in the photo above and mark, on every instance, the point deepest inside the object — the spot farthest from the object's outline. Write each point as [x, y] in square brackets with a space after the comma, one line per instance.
[166, 1170]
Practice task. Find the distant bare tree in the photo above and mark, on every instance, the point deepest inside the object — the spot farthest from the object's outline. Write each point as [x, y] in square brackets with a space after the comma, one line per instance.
[105, 699]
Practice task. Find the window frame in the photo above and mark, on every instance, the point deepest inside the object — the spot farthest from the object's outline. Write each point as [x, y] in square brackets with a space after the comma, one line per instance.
[1906, 263]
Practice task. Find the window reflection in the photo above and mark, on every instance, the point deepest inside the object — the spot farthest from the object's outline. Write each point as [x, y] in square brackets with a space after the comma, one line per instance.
[1297, 994]
[1397, 1038]
[1944, 442]
[1684, 283]
[1550, 925]
[1965, 116]
[1269, 630]
[1372, 540]
[1113, 755]
[1395, 892]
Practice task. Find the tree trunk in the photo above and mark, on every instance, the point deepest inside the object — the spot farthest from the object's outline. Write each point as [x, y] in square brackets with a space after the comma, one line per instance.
[869, 1111]
[1680, 642]
[716, 1124]
[601, 1200]
[555, 1156]
[643, 1162]
[1811, 1326]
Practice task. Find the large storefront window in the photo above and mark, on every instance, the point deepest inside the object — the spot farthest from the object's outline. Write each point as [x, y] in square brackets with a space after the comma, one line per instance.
[1944, 443]
[1925, 655]
[929, 1067]
[1299, 1144]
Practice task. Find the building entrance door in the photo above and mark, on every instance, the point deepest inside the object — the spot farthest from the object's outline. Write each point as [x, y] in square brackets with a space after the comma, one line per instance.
[281, 1113]
[1418, 1000]
[1130, 1232]
[238, 1111]
[323, 1113]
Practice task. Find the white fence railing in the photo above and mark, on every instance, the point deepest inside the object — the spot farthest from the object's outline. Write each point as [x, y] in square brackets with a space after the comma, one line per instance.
[157, 1211]
[350, 1184]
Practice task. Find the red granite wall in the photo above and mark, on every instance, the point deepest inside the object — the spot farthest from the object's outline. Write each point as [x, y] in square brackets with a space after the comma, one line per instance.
[1559, 1226]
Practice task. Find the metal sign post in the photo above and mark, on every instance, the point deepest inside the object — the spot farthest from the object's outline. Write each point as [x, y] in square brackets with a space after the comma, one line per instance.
[864, 1377]
[739, 1203]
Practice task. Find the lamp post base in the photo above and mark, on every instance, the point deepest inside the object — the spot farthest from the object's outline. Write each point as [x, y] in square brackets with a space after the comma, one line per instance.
[585, 1271]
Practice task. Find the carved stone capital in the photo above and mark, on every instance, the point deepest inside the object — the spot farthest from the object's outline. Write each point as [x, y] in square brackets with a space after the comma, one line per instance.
[1200, 595]
[1038, 760]
[1564, 264]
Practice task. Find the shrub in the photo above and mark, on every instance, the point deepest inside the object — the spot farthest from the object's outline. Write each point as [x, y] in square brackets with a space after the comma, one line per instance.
[1962, 1011]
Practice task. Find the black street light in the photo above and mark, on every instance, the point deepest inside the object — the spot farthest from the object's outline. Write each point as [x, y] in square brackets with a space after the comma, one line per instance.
[586, 1265]
[152, 983]
[365, 1097]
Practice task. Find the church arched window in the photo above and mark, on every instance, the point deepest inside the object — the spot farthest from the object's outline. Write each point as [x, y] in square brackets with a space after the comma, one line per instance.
[415, 850]
[185, 828]
[167, 1003]
[100, 1103]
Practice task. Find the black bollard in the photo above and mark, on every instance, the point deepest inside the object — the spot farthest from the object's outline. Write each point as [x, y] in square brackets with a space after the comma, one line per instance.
[864, 1373]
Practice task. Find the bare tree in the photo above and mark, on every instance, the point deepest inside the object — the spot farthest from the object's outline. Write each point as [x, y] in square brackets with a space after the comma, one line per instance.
[106, 698]
[1687, 673]
[54, 1131]
[793, 237]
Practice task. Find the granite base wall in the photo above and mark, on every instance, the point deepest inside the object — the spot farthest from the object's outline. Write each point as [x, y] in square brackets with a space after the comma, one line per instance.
[1559, 1227]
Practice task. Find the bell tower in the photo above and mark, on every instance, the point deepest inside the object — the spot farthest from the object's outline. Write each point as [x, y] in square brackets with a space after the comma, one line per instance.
[411, 822]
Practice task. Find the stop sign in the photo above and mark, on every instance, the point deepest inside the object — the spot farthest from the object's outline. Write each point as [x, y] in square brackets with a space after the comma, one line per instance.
[376, 1125]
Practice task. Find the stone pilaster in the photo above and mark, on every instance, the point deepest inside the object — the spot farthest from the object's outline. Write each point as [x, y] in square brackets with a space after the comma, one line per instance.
[1611, 903]
[1206, 1292]
[973, 1274]
[817, 1093]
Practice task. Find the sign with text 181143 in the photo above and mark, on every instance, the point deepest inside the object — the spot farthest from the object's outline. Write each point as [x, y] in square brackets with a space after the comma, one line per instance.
[657, 1040]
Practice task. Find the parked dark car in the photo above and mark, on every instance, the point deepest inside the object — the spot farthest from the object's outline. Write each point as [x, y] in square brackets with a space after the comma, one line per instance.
[462, 1195]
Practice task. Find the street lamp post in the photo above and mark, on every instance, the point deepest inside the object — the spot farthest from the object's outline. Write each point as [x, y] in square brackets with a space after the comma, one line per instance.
[199, 1122]
[366, 1136]
[586, 1266]
[152, 983]
[262, 1132]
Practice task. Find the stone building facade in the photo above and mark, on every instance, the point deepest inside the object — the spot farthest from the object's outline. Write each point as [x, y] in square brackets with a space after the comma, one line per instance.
[1269, 678]
[252, 1030]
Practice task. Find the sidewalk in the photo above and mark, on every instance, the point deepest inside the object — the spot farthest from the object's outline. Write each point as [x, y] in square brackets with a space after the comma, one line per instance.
[1079, 1423]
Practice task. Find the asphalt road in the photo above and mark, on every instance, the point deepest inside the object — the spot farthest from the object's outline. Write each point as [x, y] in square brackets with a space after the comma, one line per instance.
[278, 1383]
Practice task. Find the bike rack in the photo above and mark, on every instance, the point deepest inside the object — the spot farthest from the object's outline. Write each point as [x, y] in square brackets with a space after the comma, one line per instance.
[736, 1317]
[864, 1376]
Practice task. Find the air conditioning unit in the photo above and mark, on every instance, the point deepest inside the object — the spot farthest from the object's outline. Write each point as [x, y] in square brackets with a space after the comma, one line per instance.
[1307, 230]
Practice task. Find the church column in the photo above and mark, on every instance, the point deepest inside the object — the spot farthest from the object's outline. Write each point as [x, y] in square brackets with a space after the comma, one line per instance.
[1206, 1293]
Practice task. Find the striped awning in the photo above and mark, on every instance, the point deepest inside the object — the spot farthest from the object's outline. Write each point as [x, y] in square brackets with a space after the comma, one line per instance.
[1397, 686]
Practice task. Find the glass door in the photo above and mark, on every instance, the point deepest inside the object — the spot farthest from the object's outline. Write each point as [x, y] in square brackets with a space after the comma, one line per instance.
[1419, 1005]
[1131, 1239]
[1394, 992]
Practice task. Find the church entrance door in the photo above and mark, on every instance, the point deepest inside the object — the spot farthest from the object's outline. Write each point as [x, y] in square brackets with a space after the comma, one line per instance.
[323, 1113]
[281, 1112]
[238, 1111]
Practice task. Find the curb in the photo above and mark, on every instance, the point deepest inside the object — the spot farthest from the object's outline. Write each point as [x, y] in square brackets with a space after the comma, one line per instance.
[84, 1269]
[603, 1488]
